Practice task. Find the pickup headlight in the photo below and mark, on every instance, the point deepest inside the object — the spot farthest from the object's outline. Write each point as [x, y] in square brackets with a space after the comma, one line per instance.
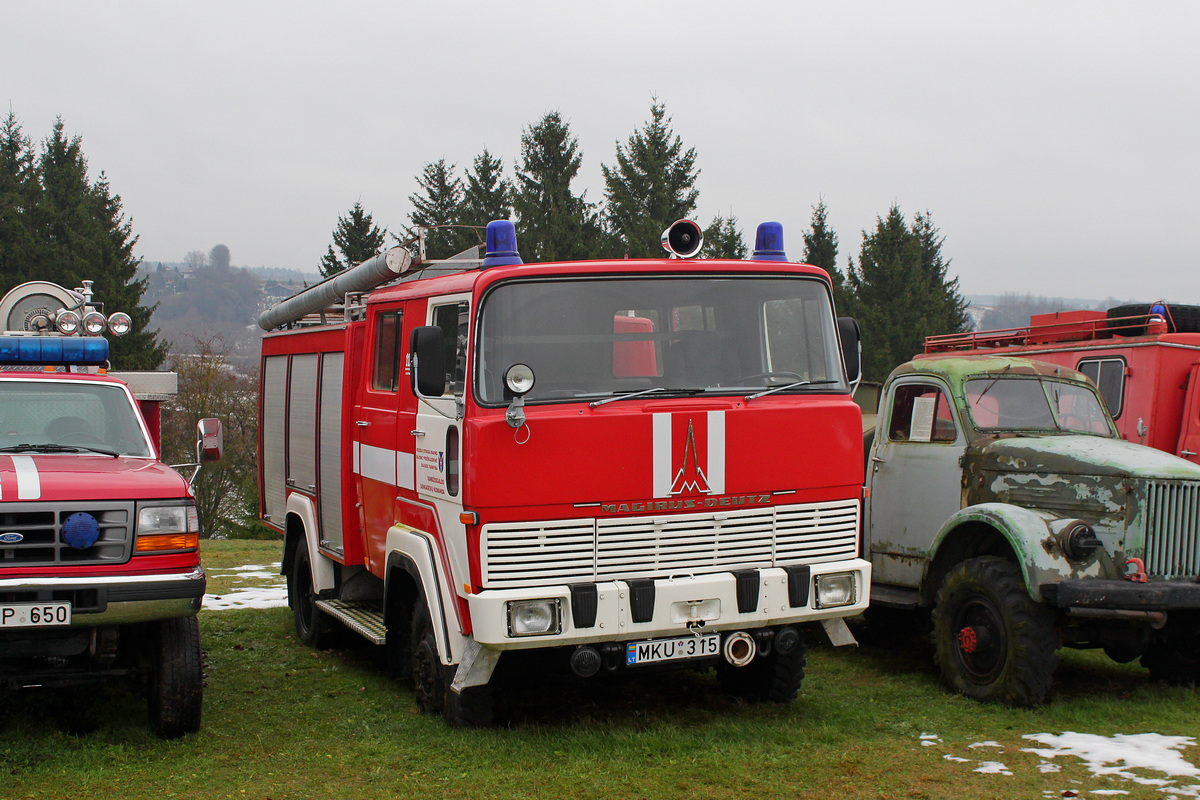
[836, 590]
[166, 528]
[534, 617]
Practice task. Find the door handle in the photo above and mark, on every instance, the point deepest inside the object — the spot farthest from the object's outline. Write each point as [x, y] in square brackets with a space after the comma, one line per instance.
[417, 433]
[362, 423]
[1186, 453]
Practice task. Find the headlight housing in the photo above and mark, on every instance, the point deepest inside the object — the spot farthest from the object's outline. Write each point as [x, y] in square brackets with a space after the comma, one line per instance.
[534, 617]
[163, 528]
[837, 589]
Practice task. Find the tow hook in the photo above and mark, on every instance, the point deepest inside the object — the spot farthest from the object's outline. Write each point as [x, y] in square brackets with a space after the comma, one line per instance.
[1139, 573]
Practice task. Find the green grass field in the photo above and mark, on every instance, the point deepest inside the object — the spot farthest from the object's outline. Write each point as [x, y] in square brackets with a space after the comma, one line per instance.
[284, 721]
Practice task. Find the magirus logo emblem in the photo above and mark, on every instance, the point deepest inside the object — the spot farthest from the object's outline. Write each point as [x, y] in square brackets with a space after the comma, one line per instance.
[689, 454]
[11, 537]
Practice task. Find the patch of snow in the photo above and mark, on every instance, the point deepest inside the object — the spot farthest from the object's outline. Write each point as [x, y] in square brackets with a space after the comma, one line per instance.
[959, 759]
[929, 739]
[1046, 766]
[992, 768]
[985, 744]
[1151, 751]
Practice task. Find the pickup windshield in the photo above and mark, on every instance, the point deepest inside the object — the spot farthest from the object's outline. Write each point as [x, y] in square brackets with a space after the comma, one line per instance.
[67, 417]
[1032, 404]
[607, 337]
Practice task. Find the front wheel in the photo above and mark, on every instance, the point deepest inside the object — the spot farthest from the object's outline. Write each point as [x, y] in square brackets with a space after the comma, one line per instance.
[176, 677]
[312, 626]
[993, 642]
[775, 678]
[470, 708]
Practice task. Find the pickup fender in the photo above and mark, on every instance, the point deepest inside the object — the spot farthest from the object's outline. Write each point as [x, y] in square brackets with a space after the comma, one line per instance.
[301, 506]
[1029, 534]
[417, 554]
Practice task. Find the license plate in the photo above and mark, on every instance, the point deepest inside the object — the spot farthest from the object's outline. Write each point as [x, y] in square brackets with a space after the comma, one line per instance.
[655, 650]
[35, 615]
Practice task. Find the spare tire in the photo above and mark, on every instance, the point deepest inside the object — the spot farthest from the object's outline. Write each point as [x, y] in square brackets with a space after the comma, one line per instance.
[1180, 319]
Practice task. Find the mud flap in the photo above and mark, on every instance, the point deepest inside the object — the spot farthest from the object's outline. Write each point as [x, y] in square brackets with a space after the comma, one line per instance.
[475, 668]
[838, 632]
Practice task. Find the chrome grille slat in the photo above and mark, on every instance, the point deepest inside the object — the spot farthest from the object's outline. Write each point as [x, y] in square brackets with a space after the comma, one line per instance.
[560, 551]
[1172, 529]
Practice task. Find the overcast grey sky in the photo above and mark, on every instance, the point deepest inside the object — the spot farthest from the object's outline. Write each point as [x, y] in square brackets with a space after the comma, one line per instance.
[1054, 143]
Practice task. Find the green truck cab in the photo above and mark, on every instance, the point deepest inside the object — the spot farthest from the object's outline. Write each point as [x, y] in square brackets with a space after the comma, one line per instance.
[1001, 499]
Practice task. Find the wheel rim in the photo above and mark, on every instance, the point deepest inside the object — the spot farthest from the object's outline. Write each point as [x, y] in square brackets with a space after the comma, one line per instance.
[425, 674]
[980, 640]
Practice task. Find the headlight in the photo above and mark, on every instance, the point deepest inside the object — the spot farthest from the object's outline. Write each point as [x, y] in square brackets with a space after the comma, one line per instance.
[161, 528]
[94, 323]
[836, 590]
[534, 617]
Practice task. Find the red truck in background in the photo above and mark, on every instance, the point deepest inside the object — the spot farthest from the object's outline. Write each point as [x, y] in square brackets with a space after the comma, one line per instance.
[628, 464]
[1145, 359]
[100, 576]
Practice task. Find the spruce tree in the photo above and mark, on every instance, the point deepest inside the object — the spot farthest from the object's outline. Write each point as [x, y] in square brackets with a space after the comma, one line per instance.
[438, 206]
[486, 195]
[652, 185]
[723, 239]
[821, 249]
[20, 206]
[356, 237]
[900, 293]
[555, 224]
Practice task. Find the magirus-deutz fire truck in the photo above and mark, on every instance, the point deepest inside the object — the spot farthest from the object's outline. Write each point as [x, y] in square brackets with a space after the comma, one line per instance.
[629, 464]
[100, 576]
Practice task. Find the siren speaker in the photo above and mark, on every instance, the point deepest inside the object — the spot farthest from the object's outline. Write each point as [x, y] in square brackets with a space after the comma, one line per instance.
[683, 239]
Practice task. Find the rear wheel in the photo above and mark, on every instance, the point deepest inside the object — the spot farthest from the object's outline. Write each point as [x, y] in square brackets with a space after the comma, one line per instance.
[176, 677]
[775, 677]
[994, 643]
[312, 626]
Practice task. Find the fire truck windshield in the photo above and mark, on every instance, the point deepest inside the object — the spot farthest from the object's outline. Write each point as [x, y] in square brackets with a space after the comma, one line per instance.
[67, 416]
[600, 337]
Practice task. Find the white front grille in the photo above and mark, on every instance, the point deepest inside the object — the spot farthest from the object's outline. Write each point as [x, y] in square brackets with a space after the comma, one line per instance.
[579, 550]
[1173, 529]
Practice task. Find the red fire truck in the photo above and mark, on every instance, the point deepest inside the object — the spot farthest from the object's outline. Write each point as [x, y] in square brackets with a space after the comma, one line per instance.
[1145, 359]
[100, 576]
[628, 463]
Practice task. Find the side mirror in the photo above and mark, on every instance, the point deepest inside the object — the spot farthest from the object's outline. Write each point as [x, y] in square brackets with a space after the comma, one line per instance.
[428, 349]
[851, 337]
[210, 441]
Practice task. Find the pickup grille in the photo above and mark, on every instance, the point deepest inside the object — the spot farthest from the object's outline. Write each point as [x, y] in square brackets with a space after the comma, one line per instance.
[1173, 529]
[42, 544]
[578, 550]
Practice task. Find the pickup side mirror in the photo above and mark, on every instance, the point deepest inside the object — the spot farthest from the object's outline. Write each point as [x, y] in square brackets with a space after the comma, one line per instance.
[428, 349]
[210, 440]
[851, 337]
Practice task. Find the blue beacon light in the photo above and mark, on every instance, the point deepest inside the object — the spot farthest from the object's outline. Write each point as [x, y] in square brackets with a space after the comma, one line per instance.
[501, 244]
[52, 350]
[768, 243]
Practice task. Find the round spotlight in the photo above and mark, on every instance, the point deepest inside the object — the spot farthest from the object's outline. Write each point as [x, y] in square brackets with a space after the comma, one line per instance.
[519, 379]
[67, 321]
[94, 323]
[119, 323]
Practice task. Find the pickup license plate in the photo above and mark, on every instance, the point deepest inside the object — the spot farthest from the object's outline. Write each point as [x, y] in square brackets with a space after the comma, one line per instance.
[655, 650]
[35, 615]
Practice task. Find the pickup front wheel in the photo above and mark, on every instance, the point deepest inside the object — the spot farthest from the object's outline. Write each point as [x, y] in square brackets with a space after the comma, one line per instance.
[994, 643]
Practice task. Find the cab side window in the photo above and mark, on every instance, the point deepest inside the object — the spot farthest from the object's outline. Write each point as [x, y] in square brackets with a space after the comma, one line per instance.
[921, 413]
[453, 320]
[1109, 376]
[385, 373]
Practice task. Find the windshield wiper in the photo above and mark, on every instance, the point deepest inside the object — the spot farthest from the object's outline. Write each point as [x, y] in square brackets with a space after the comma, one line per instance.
[56, 448]
[988, 388]
[785, 387]
[654, 390]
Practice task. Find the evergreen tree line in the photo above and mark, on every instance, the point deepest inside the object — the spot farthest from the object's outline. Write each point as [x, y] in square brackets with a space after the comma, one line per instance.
[899, 289]
[57, 225]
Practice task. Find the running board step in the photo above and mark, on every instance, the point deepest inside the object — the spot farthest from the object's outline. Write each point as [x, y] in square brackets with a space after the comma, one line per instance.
[358, 617]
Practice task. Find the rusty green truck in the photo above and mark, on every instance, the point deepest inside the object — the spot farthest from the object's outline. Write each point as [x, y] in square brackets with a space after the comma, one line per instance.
[1002, 500]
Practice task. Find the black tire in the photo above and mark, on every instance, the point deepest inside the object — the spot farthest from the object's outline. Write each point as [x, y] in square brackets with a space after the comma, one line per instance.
[473, 707]
[312, 626]
[429, 679]
[175, 684]
[993, 642]
[399, 644]
[1175, 658]
[775, 678]
[1180, 318]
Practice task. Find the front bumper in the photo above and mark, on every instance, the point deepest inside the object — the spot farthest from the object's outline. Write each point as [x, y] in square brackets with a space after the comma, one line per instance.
[115, 599]
[622, 611]
[1089, 593]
